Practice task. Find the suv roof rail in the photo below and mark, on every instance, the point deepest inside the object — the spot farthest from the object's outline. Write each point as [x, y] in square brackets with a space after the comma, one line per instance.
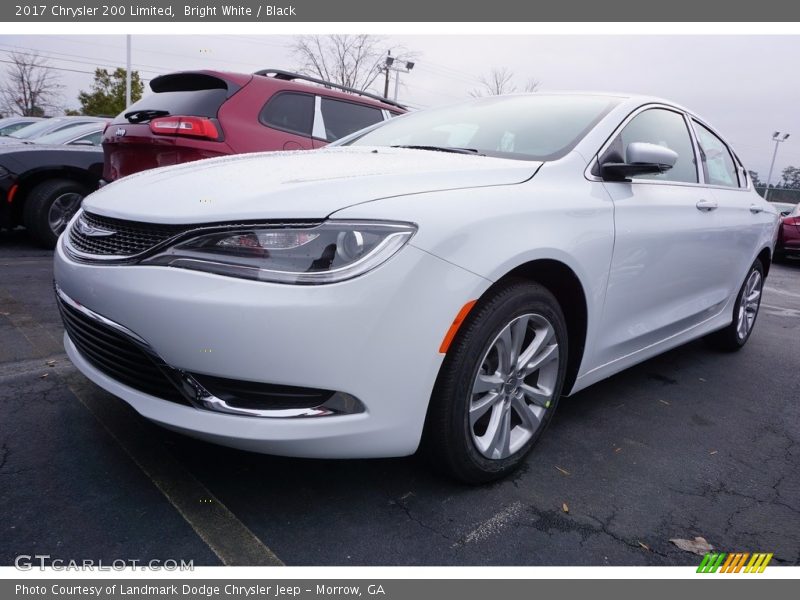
[289, 76]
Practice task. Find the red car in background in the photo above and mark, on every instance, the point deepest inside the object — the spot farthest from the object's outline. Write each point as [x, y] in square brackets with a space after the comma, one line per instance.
[789, 234]
[202, 114]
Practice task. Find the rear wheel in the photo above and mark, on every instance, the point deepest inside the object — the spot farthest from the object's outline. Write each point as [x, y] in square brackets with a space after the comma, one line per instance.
[735, 336]
[499, 384]
[50, 206]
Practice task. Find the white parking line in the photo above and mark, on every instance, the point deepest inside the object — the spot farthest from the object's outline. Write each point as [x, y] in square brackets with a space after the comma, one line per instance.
[780, 311]
[773, 290]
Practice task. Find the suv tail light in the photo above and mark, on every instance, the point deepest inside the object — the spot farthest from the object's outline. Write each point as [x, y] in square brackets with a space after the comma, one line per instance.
[190, 126]
[792, 221]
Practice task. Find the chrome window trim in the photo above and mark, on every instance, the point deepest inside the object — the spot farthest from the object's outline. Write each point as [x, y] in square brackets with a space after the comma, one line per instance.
[339, 403]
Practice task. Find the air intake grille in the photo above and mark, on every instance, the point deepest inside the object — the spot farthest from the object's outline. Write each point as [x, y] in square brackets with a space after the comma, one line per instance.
[124, 238]
[116, 356]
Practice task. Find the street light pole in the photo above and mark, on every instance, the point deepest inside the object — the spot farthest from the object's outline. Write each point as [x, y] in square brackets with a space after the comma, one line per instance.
[386, 64]
[778, 137]
[398, 66]
[128, 72]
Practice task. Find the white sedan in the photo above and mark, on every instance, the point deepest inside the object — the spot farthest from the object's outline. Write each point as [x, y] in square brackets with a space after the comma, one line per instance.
[441, 279]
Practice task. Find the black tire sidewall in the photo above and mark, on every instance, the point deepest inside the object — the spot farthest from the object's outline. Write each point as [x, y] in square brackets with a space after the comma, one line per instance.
[461, 365]
[37, 207]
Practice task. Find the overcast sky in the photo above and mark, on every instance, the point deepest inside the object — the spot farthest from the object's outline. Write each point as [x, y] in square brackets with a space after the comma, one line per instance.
[746, 86]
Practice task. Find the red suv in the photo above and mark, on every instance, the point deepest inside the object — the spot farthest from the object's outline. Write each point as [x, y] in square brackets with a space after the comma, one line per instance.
[201, 114]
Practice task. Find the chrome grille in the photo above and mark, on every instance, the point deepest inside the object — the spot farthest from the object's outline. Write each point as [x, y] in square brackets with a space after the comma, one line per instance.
[129, 238]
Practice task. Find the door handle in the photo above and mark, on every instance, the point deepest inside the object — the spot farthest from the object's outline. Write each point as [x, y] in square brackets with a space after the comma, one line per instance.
[706, 205]
[755, 209]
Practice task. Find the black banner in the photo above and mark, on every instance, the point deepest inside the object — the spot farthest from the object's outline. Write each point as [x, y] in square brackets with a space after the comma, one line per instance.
[729, 588]
[406, 11]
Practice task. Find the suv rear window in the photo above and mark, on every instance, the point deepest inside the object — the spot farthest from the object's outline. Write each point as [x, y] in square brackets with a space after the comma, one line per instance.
[343, 118]
[191, 94]
[290, 112]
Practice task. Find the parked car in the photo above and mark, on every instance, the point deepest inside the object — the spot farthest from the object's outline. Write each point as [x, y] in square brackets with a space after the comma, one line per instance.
[45, 126]
[42, 186]
[202, 114]
[789, 233]
[445, 276]
[9, 125]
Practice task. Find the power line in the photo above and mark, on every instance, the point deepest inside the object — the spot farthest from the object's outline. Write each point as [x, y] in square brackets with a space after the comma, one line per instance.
[48, 53]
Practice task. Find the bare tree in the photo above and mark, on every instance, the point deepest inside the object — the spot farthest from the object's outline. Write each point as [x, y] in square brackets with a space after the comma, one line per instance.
[501, 81]
[350, 60]
[30, 87]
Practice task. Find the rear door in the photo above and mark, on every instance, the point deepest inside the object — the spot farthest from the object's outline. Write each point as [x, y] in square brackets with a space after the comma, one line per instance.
[738, 207]
[187, 104]
[289, 118]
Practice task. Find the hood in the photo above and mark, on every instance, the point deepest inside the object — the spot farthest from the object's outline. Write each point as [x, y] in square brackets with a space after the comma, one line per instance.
[295, 185]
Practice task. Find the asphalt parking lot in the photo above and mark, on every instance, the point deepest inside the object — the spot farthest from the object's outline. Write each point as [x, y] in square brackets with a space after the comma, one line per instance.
[692, 443]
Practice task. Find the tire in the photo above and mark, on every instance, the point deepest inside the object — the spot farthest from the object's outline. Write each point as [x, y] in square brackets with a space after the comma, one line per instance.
[745, 311]
[475, 360]
[48, 208]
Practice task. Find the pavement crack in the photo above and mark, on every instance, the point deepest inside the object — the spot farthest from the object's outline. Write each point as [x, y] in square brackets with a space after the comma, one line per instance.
[403, 505]
[5, 452]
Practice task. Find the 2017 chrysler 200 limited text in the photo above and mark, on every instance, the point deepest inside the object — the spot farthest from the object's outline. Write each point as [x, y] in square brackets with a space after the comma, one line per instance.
[439, 279]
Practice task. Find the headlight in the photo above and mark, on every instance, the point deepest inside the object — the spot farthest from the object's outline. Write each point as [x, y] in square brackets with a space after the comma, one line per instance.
[331, 252]
[4, 172]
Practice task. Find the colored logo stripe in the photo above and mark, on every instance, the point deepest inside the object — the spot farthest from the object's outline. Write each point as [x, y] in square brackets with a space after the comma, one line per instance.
[734, 562]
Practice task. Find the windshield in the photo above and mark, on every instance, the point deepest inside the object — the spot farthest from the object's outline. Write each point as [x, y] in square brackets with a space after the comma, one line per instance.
[62, 136]
[37, 129]
[532, 127]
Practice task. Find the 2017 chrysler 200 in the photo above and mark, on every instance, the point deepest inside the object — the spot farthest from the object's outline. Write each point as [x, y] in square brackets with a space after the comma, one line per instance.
[441, 278]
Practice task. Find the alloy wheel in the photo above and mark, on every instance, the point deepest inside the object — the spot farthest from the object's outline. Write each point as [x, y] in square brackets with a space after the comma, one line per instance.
[514, 386]
[748, 305]
[62, 210]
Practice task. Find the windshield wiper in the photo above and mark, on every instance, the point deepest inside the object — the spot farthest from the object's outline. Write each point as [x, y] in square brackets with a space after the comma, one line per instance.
[137, 116]
[442, 149]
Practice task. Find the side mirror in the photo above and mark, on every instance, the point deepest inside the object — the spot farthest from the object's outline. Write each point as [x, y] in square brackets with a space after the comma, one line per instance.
[641, 158]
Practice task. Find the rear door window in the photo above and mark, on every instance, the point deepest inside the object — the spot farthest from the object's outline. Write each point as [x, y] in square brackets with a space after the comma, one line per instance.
[289, 111]
[343, 118]
[718, 164]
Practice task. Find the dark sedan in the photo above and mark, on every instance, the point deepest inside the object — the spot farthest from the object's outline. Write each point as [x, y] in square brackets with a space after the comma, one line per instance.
[42, 186]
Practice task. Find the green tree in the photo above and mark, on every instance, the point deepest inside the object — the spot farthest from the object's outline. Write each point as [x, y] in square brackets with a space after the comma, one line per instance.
[791, 177]
[107, 96]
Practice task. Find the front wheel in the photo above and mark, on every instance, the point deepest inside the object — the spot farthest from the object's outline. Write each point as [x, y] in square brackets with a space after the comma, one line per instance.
[499, 384]
[49, 208]
[745, 310]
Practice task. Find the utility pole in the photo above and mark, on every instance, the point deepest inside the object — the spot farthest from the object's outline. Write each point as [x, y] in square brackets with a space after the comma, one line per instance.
[778, 137]
[128, 72]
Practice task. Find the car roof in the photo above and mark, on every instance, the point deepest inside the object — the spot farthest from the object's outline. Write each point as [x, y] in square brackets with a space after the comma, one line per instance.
[242, 79]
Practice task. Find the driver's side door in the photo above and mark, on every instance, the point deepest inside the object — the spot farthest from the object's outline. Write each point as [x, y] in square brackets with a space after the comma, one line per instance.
[670, 246]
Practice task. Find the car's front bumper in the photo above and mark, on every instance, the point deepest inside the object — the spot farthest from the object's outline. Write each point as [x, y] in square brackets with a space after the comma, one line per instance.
[375, 337]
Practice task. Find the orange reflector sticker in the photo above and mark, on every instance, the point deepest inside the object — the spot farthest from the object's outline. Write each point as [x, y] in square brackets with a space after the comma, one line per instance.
[451, 333]
[11, 193]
